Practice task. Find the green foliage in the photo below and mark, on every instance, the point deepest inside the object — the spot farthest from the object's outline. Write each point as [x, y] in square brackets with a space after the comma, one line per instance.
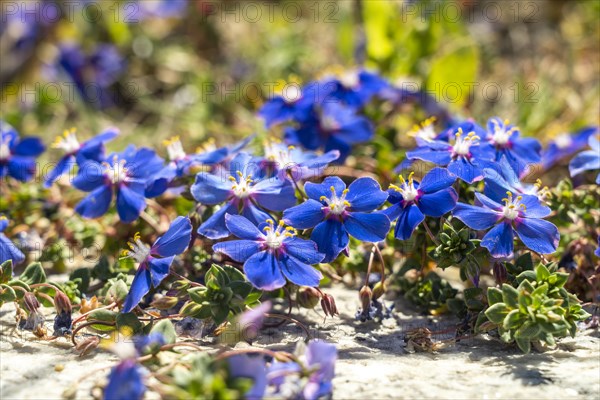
[34, 273]
[226, 291]
[429, 293]
[538, 310]
[201, 377]
[166, 329]
[573, 205]
[454, 248]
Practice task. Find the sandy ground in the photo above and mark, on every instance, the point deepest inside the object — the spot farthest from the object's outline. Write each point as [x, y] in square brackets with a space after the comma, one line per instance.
[373, 362]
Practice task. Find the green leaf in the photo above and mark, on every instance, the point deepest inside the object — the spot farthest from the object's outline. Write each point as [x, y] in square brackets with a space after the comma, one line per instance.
[7, 294]
[197, 294]
[102, 315]
[219, 314]
[117, 291]
[524, 345]
[85, 275]
[166, 328]
[525, 262]
[541, 273]
[494, 295]
[510, 296]
[6, 270]
[128, 323]
[20, 283]
[234, 274]
[34, 273]
[497, 313]
[513, 319]
[528, 330]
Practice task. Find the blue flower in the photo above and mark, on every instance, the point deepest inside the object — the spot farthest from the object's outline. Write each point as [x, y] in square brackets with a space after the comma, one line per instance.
[293, 103]
[597, 252]
[271, 257]
[335, 212]
[287, 160]
[148, 344]
[17, 156]
[354, 87]
[587, 160]
[8, 250]
[130, 174]
[246, 191]
[251, 367]
[333, 127]
[501, 178]
[506, 141]
[412, 201]
[565, 145]
[155, 261]
[92, 149]
[125, 382]
[319, 358]
[464, 158]
[521, 214]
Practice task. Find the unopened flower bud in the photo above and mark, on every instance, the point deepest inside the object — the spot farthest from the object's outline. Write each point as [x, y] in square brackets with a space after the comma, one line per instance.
[164, 302]
[365, 296]
[31, 302]
[328, 304]
[62, 304]
[86, 345]
[500, 273]
[378, 290]
[308, 297]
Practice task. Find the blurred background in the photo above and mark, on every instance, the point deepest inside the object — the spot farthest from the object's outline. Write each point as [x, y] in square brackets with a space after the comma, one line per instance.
[201, 69]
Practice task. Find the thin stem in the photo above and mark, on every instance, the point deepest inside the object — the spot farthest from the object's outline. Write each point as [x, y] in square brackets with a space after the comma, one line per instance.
[295, 321]
[85, 325]
[146, 217]
[303, 195]
[266, 352]
[82, 316]
[433, 238]
[381, 260]
[192, 283]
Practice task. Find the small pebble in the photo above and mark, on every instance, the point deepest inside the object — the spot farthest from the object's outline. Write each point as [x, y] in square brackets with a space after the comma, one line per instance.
[59, 367]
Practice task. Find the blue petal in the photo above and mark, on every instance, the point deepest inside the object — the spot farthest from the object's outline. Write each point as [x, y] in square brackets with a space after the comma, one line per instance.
[263, 270]
[489, 203]
[130, 204]
[365, 194]
[274, 194]
[63, 166]
[300, 273]
[393, 211]
[29, 147]
[9, 251]
[538, 235]
[305, 215]
[331, 238]
[368, 227]
[527, 149]
[21, 168]
[125, 382]
[210, 189]
[3, 222]
[96, 203]
[436, 179]
[534, 207]
[175, 240]
[104, 136]
[89, 176]
[214, 227]
[304, 250]
[238, 250]
[139, 288]
[465, 170]
[241, 227]
[316, 190]
[474, 217]
[156, 186]
[254, 213]
[438, 203]
[499, 240]
[159, 269]
[584, 161]
[437, 157]
[409, 219]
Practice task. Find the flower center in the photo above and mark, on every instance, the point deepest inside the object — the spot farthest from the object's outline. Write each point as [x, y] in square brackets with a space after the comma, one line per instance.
[174, 149]
[291, 93]
[329, 123]
[67, 141]
[4, 149]
[242, 186]
[276, 235]
[116, 172]
[462, 144]
[563, 141]
[512, 206]
[337, 205]
[541, 192]
[349, 79]
[425, 130]
[502, 135]
[279, 154]
[138, 250]
[207, 146]
[407, 188]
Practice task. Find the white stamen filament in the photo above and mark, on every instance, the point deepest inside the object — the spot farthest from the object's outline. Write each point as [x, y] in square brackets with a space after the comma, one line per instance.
[242, 187]
[337, 205]
[462, 144]
[4, 149]
[291, 93]
[407, 188]
[276, 235]
[139, 251]
[563, 141]
[512, 206]
[502, 135]
[349, 79]
[67, 142]
[116, 172]
[174, 149]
